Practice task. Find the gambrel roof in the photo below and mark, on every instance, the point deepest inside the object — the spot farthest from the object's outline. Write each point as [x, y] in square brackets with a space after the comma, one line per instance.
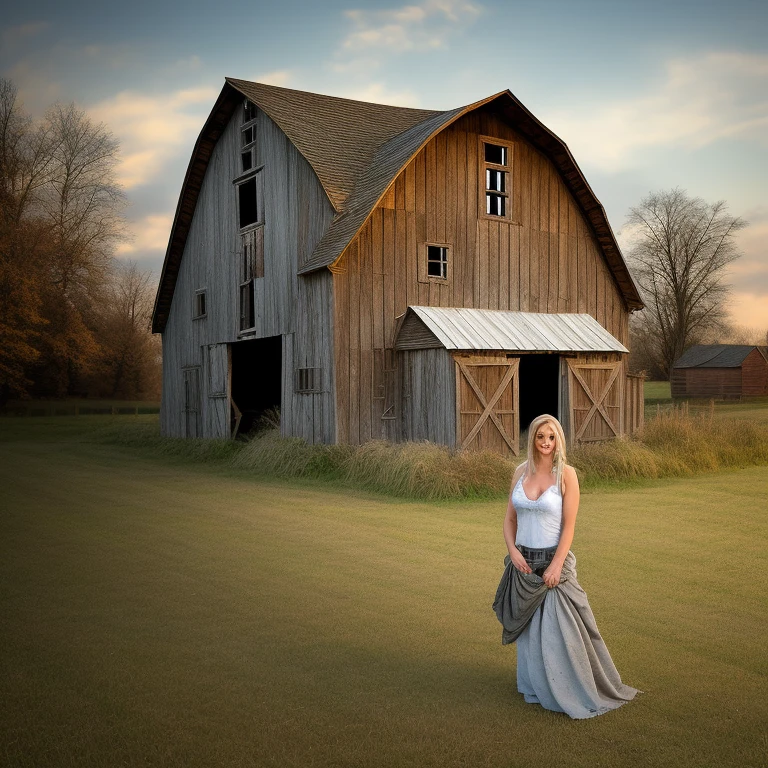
[357, 149]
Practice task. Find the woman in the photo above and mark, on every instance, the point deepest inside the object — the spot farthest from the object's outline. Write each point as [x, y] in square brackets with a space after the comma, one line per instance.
[562, 662]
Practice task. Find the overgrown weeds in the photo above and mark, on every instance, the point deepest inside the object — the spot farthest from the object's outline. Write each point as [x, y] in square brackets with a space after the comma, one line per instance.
[674, 444]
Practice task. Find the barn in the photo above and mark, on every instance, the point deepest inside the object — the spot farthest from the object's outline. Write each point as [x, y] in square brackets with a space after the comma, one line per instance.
[721, 371]
[378, 272]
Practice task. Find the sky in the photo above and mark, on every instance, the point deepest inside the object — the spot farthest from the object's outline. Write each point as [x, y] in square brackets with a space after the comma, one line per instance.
[648, 95]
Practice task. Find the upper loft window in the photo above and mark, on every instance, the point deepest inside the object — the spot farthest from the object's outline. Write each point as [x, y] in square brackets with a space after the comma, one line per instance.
[496, 166]
[248, 202]
[249, 111]
[248, 137]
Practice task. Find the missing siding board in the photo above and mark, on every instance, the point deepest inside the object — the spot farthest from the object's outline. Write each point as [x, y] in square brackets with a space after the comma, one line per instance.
[308, 380]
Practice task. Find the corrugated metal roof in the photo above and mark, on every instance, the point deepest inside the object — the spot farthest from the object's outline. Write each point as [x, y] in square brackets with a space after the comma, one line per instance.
[488, 329]
[714, 356]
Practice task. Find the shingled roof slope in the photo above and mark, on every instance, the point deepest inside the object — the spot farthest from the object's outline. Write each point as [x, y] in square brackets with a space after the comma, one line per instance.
[338, 137]
[357, 149]
[714, 356]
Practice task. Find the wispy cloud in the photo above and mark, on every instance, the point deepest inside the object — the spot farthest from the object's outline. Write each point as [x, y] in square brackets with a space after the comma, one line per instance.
[378, 33]
[153, 130]
[700, 100]
[148, 234]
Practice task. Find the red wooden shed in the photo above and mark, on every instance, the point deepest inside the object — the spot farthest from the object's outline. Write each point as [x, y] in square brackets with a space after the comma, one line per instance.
[721, 371]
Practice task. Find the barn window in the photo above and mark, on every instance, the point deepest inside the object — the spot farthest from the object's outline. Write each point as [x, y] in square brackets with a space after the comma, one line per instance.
[248, 202]
[200, 308]
[309, 380]
[249, 111]
[496, 160]
[251, 268]
[437, 261]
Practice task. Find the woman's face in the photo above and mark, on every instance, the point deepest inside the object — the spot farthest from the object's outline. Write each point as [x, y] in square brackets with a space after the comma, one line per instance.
[545, 440]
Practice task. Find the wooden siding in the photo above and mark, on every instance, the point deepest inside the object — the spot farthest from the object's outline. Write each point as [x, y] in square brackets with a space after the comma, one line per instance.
[546, 259]
[429, 404]
[296, 212]
[634, 404]
[722, 383]
[754, 375]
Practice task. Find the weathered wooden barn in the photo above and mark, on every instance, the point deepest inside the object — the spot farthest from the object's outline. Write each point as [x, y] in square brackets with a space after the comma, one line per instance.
[382, 272]
[721, 371]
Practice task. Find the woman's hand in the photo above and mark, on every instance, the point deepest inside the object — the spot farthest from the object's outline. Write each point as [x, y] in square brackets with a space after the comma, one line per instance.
[551, 576]
[519, 561]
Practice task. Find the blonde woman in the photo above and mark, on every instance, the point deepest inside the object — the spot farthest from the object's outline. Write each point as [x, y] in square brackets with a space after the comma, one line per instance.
[562, 662]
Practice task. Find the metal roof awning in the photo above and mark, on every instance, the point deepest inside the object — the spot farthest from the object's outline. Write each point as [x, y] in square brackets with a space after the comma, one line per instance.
[498, 330]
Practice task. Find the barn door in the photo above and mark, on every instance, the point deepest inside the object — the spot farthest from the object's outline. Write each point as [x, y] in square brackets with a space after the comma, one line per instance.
[487, 403]
[192, 402]
[596, 399]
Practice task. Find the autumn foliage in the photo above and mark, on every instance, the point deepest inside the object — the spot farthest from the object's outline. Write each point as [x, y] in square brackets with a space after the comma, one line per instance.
[73, 320]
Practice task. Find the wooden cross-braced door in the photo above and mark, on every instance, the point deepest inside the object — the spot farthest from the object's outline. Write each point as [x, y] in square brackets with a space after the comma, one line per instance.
[596, 399]
[487, 402]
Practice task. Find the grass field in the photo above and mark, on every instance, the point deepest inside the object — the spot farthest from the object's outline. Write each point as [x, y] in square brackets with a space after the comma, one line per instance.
[157, 612]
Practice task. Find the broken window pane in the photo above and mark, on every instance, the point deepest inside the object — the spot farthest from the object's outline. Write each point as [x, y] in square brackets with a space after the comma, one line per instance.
[495, 180]
[495, 205]
[248, 207]
[495, 154]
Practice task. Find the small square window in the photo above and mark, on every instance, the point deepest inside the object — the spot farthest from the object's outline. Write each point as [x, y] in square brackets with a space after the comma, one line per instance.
[246, 160]
[495, 154]
[309, 380]
[249, 135]
[437, 261]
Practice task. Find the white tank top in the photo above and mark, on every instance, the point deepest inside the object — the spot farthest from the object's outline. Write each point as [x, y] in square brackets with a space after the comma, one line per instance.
[539, 521]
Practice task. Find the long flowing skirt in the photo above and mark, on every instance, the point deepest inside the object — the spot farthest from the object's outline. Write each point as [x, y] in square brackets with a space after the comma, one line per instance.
[562, 661]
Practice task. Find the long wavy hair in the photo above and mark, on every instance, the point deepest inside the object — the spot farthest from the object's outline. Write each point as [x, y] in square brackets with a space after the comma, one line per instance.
[558, 458]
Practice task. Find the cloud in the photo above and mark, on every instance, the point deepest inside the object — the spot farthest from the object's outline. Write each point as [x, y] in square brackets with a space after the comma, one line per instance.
[378, 93]
[427, 25]
[700, 100]
[148, 234]
[153, 130]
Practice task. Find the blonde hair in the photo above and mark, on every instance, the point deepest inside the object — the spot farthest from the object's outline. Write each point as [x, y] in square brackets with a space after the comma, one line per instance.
[558, 458]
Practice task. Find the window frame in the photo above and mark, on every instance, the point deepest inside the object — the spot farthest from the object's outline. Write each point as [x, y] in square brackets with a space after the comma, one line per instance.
[484, 190]
[200, 293]
[253, 175]
[423, 270]
[308, 380]
[248, 147]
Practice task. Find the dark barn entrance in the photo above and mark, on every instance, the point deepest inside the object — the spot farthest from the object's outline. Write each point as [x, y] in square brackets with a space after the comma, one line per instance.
[256, 379]
[539, 387]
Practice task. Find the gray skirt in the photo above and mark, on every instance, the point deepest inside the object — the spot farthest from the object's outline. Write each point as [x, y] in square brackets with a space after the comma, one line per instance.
[562, 661]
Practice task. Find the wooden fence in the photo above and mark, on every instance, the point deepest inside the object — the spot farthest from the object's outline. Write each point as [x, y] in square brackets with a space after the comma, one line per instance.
[62, 409]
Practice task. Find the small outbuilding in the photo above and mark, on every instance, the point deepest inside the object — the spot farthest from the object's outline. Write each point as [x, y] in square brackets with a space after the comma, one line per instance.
[722, 371]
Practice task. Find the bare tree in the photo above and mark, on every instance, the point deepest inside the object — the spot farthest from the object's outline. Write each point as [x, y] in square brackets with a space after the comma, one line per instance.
[680, 247]
[130, 355]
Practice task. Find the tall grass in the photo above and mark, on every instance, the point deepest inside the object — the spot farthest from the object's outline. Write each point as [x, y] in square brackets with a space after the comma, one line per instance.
[674, 444]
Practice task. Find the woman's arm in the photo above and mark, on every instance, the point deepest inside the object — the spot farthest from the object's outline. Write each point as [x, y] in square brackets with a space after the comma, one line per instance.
[570, 508]
[510, 528]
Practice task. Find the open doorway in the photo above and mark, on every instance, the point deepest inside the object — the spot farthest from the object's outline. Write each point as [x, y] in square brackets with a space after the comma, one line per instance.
[256, 379]
[539, 387]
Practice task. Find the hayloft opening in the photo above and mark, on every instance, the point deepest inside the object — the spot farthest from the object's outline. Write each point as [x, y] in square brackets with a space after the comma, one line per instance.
[256, 380]
[539, 387]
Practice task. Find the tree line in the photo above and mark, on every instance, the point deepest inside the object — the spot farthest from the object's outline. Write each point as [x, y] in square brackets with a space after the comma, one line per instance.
[74, 321]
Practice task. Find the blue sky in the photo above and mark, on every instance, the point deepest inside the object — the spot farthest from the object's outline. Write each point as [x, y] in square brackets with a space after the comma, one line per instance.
[647, 95]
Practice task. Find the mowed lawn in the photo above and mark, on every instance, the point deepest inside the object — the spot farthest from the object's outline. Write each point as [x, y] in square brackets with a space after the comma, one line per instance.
[160, 613]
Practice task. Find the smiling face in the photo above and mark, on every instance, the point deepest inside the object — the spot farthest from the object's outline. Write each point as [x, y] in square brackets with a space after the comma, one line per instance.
[545, 439]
